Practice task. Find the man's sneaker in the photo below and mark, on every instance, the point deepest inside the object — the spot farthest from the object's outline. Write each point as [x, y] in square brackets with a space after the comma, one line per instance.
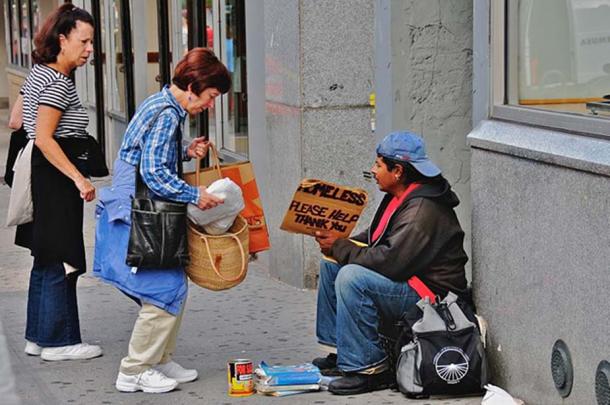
[328, 365]
[176, 372]
[32, 348]
[80, 351]
[354, 383]
[151, 381]
[325, 363]
[332, 372]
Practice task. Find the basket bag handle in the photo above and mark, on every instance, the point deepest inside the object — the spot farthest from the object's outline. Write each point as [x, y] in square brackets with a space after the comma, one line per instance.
[243, 260]
[215, 164]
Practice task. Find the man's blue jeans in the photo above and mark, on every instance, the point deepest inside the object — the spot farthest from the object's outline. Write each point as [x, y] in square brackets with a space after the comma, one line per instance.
[52, 319]
[351, 300]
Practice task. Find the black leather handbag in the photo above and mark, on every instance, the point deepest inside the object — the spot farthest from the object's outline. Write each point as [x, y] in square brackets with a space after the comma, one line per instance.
[96, 162]
[157, 237]
[85, 152]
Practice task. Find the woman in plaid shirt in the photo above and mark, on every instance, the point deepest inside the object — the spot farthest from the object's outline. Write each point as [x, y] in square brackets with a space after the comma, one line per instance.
[150, 143]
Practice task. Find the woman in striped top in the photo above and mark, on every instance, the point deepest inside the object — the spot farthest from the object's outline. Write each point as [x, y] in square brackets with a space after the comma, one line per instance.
[54, 117]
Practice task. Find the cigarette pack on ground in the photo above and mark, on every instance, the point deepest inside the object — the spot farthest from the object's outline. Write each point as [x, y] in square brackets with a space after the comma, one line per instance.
[319, 205]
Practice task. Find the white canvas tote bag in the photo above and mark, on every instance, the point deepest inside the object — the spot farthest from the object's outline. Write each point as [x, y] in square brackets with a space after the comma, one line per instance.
[20, 206]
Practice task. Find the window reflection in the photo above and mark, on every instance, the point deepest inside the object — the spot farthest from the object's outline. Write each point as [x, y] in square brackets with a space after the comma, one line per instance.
[209, 38]
[14, 18]
[184, 27]
[90, 69]
[118, 73]
[23, 18]
[235, 136]
[564, 53]
[190, 127]
[35, 20]
[25, 35]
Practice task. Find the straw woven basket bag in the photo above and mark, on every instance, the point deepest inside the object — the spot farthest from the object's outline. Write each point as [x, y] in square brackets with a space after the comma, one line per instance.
[218, 262]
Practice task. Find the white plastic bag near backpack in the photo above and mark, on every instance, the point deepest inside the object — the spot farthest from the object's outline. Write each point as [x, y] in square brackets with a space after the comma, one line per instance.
[219, 219]
[497, 396]
[20, 205]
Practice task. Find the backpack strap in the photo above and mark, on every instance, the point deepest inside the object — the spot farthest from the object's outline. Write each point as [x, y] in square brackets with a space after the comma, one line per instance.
[421, 289]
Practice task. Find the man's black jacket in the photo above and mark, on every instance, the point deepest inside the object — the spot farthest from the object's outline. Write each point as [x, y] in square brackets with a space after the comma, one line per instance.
[423, 238]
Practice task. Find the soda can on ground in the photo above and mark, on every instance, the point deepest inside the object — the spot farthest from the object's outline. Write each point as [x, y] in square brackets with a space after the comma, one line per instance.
[239, 374]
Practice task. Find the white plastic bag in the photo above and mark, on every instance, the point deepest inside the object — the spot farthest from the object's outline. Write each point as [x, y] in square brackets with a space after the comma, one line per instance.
[219, 226]
[497, 396]
[219, 219]
[20, 206]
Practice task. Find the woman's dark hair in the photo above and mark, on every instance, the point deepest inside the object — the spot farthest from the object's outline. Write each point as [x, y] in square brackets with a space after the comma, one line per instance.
[409, 173]
[202, 70]
[60, 22]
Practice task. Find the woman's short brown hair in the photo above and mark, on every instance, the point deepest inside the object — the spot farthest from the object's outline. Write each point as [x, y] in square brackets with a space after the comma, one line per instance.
[202, 70]
[60, 22]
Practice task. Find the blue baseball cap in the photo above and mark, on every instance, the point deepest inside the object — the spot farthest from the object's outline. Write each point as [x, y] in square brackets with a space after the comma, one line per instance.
[405, 146]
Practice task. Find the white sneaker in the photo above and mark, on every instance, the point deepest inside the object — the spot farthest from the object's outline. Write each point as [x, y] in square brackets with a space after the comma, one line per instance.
[32, 348]
[175, 371]
[80, 351]
[150, 381]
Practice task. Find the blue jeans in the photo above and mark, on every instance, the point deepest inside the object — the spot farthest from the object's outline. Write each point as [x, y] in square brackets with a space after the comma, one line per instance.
[52, 319]
[351, 300]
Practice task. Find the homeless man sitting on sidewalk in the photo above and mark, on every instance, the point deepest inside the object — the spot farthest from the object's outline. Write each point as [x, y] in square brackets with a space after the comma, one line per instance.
[415, 237]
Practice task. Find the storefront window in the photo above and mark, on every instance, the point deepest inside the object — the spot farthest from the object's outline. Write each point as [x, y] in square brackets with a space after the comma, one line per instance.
[235, 134]
[118, 73]
[562, 52]
[184, 26]
[23, 18]
[186, 7]
[14, 31]
[90, 67]
[225, 34]
[25, 34]
[35, 16]
[209, 41]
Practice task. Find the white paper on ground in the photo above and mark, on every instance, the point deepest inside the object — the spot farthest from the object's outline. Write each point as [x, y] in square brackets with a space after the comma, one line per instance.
[497, 396]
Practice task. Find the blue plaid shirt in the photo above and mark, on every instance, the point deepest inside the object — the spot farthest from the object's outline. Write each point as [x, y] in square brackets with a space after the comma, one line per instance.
[153, 146]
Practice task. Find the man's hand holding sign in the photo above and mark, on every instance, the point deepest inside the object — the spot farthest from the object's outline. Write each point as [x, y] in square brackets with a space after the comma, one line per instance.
[325, 239]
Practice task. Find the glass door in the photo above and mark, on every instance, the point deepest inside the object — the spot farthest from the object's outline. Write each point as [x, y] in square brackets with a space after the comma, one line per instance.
[229, 44]
[182, 31]
[234, 109]
[96, 71]
[118, 77]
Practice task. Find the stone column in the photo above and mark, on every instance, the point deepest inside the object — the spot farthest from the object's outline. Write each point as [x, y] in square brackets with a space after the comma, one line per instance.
[319, 72]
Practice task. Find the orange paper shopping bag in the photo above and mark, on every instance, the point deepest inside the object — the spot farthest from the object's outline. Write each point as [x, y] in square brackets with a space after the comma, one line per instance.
[243, 175]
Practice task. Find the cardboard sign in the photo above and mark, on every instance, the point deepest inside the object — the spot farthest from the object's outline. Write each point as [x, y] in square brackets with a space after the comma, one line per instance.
[322, 206]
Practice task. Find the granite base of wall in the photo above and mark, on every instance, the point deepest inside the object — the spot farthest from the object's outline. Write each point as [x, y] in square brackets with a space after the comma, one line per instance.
[541, 269]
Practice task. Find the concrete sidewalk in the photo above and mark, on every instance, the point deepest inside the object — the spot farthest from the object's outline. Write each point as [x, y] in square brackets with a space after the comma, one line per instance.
[261, 319]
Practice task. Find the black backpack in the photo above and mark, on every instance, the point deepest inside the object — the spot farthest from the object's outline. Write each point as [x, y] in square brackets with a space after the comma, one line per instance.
[444, 354]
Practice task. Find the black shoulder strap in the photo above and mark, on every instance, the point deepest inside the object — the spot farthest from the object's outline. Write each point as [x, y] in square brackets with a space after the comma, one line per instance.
[141, 188]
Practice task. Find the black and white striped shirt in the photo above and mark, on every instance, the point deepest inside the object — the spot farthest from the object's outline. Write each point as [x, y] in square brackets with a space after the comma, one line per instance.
[46, 86]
